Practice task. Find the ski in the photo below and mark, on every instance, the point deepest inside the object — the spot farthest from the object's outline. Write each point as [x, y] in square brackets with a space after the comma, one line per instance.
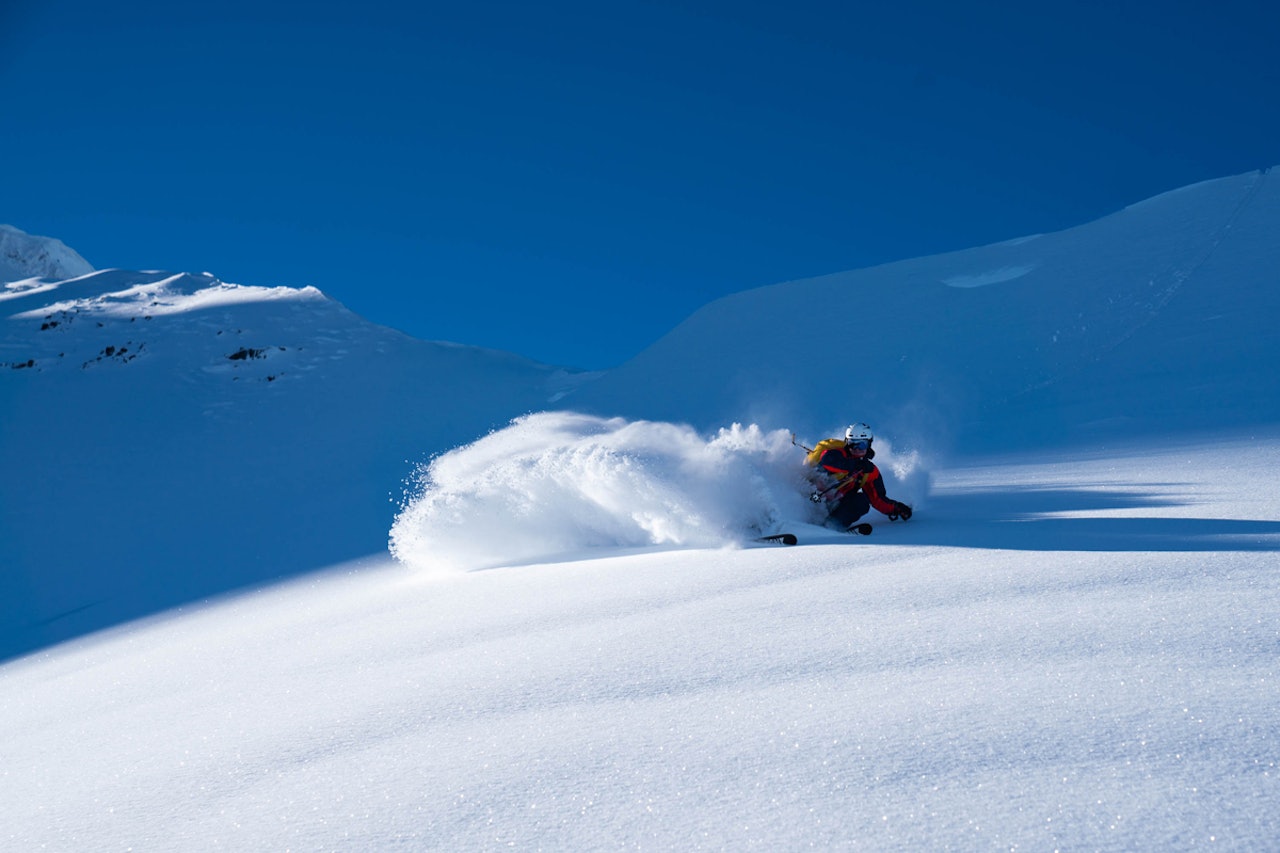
[863, 529]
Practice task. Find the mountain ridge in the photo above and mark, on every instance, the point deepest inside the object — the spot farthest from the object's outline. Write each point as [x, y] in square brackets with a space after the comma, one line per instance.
[915, 341]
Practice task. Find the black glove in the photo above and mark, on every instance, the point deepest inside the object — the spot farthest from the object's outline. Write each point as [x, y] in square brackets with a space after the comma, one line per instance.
[900, 511]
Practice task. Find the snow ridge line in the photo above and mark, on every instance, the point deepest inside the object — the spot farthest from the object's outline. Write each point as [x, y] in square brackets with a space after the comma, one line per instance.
[1177, 273]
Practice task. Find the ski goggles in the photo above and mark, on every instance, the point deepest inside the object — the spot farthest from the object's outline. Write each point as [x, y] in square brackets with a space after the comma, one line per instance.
[859, 447]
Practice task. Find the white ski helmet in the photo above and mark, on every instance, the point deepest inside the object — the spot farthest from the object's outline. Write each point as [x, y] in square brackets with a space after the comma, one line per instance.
[857, 441]
[858, 432]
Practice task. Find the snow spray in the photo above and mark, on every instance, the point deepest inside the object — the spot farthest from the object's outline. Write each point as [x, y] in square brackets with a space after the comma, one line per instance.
[559, 485]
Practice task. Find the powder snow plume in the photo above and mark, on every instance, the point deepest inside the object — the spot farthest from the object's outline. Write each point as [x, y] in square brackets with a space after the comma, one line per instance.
[555, 483]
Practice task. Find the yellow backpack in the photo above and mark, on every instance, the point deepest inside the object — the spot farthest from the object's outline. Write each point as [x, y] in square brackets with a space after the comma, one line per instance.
[820, 448]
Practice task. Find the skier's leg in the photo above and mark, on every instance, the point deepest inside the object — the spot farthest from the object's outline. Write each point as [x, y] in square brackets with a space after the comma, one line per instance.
[849, 510]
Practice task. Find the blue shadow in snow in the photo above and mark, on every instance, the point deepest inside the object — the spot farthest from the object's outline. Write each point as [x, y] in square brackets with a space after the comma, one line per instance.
[1029, 519]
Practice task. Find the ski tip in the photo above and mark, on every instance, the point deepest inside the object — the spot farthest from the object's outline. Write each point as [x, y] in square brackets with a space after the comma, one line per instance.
[780, 539]
[863, 529]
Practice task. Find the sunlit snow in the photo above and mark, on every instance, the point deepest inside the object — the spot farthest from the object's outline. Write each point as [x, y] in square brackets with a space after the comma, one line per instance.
[575, 642]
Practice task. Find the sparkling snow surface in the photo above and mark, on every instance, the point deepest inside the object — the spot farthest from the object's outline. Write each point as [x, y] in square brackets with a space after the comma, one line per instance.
[1063, 653]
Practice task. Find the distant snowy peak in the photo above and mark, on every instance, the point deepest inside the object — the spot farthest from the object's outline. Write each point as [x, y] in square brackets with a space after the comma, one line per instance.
[210, 332]
[106, 317]
[25, 256]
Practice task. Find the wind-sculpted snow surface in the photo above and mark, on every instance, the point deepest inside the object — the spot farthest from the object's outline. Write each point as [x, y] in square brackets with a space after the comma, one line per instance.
[1065, 652]
[554, 484]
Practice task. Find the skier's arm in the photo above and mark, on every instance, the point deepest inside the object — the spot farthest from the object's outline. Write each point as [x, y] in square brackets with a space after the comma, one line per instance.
[874, 490]
[872, 483]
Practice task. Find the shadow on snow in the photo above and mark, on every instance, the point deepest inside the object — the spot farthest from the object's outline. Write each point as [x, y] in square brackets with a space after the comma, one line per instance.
[1036, 519]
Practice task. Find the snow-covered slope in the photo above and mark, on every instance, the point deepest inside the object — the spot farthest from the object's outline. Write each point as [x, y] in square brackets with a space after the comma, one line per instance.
[1065, 653]
[145, 412]
[24, 256]
[1062, 650]
[1159, 318]
[167, 437]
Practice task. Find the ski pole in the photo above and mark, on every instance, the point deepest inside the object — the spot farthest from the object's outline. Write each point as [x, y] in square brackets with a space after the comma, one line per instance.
[799, 445]
[817, 496]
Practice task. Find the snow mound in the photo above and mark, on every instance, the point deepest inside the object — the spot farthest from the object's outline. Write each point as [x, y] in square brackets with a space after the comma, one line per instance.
[25, 256]
[554, 484]
[1146, 319]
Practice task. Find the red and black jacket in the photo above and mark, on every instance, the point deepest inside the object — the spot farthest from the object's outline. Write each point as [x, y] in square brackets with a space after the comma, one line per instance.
[857, 472]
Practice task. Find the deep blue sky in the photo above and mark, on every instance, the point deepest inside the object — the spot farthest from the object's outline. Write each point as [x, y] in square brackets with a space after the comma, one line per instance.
[569, 180]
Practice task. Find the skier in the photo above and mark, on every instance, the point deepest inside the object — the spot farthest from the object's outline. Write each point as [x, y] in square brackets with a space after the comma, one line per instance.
[858, 485]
